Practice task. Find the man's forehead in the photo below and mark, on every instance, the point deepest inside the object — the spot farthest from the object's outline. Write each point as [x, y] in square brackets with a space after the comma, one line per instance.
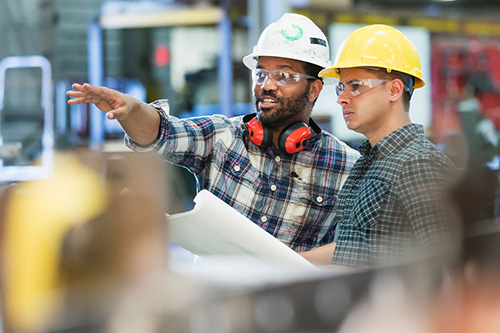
[357, 72]
[279, 62]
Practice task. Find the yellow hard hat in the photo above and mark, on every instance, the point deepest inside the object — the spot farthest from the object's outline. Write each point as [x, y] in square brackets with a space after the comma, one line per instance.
[379, 46]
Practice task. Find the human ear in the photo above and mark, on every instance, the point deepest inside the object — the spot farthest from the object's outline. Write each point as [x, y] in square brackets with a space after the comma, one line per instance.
[397, 89]
[314, 90]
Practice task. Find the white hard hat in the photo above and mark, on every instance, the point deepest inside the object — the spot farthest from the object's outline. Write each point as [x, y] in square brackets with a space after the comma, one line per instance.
[293, 36]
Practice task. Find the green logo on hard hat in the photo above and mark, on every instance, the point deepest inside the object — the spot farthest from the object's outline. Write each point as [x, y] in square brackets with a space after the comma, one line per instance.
[294, 35]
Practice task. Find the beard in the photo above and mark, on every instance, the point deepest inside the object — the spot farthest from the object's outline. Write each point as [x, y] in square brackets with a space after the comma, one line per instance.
[290, 107]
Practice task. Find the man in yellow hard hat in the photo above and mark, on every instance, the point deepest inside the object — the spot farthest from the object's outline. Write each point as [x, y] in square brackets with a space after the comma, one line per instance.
[276, 167]
[395, 201]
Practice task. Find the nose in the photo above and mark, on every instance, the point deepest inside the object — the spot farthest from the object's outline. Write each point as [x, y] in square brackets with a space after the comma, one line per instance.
[343, 98]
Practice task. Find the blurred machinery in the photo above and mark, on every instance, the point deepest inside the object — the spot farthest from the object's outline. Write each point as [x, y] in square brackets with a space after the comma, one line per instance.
[466, 95]
[26, 118]
[151, 21]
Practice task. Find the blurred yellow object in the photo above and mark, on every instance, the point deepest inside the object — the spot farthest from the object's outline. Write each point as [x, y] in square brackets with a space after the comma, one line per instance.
[38, 215]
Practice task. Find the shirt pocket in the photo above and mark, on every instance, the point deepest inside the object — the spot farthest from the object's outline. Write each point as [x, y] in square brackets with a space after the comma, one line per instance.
[241, 167]
[310, 206]
[239, 181]
[368, 204]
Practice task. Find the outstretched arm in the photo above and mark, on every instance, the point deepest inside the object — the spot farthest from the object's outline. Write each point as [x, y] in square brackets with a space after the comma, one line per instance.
[139, 120]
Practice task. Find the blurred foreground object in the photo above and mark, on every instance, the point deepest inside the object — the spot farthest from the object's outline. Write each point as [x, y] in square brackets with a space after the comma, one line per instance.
[75, 242]
[10, 150]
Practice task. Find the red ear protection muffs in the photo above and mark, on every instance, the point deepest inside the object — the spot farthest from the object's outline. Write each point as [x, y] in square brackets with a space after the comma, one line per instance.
[258, 134]
[291, 140]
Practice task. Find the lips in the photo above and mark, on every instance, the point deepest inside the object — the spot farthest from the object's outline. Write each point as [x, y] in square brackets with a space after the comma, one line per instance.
[347, 113]
[267, 102]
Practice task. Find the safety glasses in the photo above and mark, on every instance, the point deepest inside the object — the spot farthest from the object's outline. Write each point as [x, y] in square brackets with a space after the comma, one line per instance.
[280, 77]
[358, 86]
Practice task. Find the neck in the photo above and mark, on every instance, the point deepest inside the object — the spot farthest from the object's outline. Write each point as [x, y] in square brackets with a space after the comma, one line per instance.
[390, 126]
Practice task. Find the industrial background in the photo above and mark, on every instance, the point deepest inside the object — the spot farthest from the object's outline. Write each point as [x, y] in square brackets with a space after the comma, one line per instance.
[190, 52]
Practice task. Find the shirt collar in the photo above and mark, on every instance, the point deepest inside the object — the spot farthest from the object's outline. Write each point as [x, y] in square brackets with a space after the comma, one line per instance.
[395, 141]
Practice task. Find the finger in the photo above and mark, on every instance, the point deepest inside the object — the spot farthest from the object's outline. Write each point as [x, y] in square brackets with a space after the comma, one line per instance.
[78, 92]
[77, 97]
[120, 113]
[73, 93]
[78, 87]
[110, 115]
[104, 92]
[79, 100]
[75, 101]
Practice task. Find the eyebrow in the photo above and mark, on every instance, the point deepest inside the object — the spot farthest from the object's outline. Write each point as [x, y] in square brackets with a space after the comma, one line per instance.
[280, 67]
[286, 66]
[350, 81]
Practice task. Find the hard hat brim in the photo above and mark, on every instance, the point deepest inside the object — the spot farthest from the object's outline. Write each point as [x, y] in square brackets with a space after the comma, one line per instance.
[329, 72]
[250, 61]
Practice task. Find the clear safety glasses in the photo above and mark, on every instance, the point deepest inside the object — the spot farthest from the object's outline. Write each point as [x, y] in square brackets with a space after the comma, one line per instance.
[358, 86]
[280, 77]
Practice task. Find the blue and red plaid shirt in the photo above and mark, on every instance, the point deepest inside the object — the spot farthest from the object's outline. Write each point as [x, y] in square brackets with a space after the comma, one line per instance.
[290, 196]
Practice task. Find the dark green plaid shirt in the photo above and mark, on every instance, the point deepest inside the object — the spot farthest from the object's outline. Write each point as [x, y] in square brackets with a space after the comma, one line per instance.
[394, 200]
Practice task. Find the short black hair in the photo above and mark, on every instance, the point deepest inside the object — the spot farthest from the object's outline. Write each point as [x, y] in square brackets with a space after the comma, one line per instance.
[313, 70]
[408, 82]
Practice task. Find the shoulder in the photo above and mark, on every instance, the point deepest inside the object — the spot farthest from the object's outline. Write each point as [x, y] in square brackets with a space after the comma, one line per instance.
[421, 150]
[331, 142]
[423, 163]
[217, 121]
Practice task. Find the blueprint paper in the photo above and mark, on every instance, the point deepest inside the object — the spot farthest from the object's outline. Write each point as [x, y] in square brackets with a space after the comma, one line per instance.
[213, 227]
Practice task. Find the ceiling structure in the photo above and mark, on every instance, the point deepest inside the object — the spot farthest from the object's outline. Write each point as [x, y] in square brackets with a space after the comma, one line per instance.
[456, 6]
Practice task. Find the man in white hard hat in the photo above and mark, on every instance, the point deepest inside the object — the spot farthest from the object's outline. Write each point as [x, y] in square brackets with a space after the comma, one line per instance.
[396, 202]
[276, 167]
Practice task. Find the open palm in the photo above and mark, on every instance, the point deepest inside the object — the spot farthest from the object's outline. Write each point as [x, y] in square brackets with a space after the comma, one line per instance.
[115, 104]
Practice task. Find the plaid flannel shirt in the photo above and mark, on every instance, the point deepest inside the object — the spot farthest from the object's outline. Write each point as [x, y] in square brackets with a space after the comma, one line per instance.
[290, 196]
[395, 200]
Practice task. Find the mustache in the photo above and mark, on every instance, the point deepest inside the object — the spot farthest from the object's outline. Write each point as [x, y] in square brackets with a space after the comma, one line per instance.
[268, 94]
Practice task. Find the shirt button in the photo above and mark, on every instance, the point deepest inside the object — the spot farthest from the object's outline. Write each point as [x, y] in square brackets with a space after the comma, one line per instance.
[277, 159]
[236, 168]
[273, 188]
[263, 218]
[319, 199]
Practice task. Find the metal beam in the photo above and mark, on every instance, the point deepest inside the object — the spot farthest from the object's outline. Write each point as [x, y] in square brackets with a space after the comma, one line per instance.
[225, 67]
[96, 77]
[171, 17]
